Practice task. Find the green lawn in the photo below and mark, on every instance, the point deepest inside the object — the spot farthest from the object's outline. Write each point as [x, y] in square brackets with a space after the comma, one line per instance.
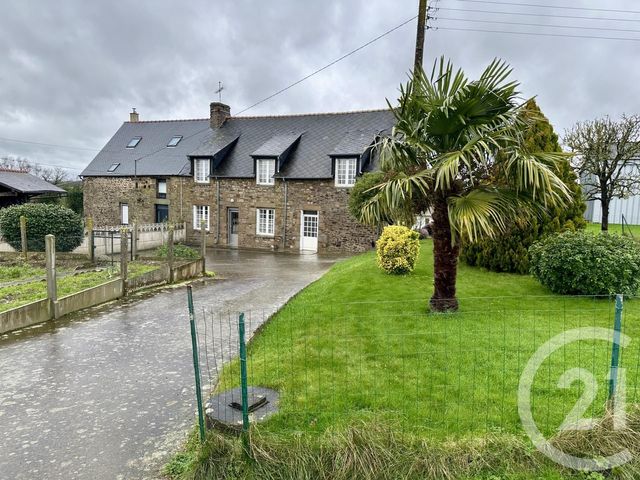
[17, 295]
[358, 350]
[615, 228]
[359, 345]
[19, 272]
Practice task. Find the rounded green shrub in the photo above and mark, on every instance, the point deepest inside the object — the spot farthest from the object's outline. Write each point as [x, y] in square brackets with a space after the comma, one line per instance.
[397, 249]
[359, 195]
[42, 219]
[582, 263]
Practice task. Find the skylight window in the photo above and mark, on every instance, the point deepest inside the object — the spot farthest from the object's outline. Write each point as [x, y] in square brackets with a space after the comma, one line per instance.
[133, 143]
[113, 167]
[175, 140]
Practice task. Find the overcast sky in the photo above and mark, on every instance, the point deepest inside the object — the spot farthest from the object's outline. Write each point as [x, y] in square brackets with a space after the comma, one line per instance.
[71, 70]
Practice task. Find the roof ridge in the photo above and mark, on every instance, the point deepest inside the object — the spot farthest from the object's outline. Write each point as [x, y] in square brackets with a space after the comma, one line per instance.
[312, 114]
[309, 114]
[174, 120]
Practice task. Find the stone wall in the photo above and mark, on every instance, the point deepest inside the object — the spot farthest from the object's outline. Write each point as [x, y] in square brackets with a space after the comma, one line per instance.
[103, 196]
[338, 231]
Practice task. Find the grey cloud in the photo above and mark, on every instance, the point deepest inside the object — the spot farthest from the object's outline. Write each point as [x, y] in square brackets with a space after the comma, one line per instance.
[71, 70]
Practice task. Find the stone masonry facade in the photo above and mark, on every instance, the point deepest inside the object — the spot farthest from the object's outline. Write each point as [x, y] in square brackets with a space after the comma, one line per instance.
[338, 231]
[103, 197]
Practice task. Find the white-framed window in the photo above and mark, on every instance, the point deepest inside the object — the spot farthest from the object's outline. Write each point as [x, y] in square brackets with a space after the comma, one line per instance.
[124, 214]
[265, 221]
[201, 170]
[265, 168]
[200, 214]
[161, 187]
[346, 172]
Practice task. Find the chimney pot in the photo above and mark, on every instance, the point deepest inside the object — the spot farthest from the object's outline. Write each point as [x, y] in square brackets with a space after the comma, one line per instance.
[133, 116]
[219, 113]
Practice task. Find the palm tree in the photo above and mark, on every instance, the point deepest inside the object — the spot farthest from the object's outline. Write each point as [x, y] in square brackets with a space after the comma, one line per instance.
[458, 149]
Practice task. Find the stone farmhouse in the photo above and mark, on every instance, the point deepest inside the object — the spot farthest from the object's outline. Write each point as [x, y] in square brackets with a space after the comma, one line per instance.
[271, 182]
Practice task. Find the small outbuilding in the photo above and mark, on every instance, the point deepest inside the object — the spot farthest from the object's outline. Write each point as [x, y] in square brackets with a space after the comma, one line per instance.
[17, 186]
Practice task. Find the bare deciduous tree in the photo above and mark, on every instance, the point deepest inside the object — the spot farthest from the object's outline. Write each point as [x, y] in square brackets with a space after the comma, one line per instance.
[607, 159]
[54, 175]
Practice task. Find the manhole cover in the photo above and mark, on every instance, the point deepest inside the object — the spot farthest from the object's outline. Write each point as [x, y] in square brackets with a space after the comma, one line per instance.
[224, 411]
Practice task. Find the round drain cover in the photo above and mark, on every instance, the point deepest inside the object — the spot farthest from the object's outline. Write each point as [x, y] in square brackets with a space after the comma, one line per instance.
[224, 411]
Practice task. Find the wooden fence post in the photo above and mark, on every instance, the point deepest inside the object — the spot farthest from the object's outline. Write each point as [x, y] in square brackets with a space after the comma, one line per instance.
[50, 262]
[123, 259]
[23, 236]
[91, 240]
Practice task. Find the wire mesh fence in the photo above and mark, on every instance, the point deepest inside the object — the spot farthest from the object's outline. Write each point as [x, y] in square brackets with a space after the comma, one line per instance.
[434, 374]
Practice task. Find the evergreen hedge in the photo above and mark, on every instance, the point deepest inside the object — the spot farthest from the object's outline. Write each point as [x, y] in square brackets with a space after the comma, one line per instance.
[509, 252]
[42, 219]
[583, 263]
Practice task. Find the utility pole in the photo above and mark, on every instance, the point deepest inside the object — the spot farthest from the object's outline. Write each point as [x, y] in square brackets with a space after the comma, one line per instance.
[422, 20]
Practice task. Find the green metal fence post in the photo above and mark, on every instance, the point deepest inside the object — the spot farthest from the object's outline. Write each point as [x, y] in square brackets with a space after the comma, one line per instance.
[196, 363]
[615, 350]
[243, 383]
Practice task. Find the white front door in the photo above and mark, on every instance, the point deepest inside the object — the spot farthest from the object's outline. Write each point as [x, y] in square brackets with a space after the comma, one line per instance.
[309, 231]
[124, 213]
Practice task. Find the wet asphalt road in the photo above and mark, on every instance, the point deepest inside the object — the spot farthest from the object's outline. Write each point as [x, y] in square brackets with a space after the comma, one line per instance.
[109, 392]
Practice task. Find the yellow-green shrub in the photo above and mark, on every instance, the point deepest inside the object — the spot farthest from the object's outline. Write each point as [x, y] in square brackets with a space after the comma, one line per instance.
[398, 248]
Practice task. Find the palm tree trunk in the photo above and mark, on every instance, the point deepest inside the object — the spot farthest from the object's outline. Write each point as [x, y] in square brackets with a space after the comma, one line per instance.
[445, 261]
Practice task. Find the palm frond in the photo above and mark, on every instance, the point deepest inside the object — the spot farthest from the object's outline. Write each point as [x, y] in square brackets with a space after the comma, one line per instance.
[482, 212]
[393, 198]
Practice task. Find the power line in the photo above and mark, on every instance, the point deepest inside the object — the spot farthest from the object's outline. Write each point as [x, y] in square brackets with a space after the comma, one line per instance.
[551, 6]
[329, 64]
[241, 111]
[523, 14]
[47, 144]
[538, 24]
[537, 34]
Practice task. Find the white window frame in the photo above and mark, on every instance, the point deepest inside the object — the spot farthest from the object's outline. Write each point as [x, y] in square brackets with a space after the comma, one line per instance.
[161, 188]
[201, 170]
[265, 222]
[124, 219]
[346, 171]
[201, 212]
[265, 169]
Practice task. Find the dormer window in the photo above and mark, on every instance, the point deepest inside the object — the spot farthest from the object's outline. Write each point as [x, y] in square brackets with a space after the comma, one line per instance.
[201, 170]
[346, 172]
[175, 140]
[133, 143]
[265, 169]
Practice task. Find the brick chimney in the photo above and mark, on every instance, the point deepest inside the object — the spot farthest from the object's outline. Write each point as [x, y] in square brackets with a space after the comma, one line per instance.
[219, 113]
[133, 116]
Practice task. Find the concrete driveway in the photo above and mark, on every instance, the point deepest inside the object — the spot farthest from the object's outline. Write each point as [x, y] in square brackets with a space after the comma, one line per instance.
[109, 392]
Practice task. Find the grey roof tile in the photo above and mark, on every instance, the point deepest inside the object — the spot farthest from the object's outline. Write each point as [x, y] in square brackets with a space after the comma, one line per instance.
[157, 159]
[276, 145]
[27, 183]
[324, 134]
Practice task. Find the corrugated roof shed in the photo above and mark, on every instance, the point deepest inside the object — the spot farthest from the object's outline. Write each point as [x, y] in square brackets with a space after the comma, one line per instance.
[23, 182]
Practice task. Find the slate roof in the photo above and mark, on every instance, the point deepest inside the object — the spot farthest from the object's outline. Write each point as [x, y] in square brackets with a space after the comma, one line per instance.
[321, 135]
[26, 183]
[158, 159]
